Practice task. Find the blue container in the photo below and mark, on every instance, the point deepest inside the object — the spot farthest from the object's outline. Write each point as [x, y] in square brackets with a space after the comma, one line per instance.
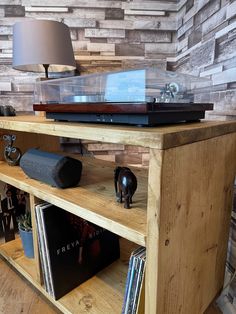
[27, 242]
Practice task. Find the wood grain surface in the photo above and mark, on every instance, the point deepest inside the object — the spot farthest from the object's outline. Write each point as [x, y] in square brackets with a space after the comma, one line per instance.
[189, 211]
[18, 296]
[160, 137]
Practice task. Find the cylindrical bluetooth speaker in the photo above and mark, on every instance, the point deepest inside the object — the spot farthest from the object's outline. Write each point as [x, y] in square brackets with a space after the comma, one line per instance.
[53, 169]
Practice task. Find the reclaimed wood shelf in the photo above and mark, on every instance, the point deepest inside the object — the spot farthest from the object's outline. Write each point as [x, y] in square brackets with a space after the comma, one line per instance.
[161, 137]
[181, 210]
[100, 289]
[93, 200]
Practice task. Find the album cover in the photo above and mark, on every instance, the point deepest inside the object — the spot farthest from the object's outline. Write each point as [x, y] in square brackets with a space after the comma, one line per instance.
[72, 249]
[13, 203]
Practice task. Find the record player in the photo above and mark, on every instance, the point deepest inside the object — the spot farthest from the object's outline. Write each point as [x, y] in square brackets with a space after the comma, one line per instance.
[147, 96]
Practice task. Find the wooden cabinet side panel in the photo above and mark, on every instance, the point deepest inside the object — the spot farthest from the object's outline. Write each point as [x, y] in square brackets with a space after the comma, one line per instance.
[193, 224]
[153, 226]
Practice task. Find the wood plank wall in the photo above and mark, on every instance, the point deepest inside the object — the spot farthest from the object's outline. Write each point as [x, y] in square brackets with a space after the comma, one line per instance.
[206, 47]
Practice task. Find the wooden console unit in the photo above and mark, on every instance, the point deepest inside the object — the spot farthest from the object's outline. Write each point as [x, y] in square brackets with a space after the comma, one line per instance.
[181, 210]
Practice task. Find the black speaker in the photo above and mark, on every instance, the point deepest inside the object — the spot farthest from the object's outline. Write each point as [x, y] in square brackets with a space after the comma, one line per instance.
[53, 169]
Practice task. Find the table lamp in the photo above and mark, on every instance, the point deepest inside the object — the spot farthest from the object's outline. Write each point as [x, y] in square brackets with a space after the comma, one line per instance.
[40, 44]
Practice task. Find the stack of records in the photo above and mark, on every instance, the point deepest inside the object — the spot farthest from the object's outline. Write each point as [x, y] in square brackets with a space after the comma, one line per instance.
[71, 249]
[134, 290]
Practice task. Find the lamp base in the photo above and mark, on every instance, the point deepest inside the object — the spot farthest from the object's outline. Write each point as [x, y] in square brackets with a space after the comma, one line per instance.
[46, 66]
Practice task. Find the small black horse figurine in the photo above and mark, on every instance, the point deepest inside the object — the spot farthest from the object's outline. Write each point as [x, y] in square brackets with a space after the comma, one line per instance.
[125, 185]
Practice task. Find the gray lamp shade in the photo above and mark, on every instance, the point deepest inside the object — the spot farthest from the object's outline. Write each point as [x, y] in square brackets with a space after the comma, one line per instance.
[42, 42]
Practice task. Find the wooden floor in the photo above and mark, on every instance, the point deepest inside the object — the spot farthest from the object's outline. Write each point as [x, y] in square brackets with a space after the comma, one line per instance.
[19, 297]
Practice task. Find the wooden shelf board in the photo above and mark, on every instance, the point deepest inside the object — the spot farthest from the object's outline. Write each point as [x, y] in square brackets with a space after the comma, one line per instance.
[102, 293]
[13, 252]
[93, 200]
[160, 137]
